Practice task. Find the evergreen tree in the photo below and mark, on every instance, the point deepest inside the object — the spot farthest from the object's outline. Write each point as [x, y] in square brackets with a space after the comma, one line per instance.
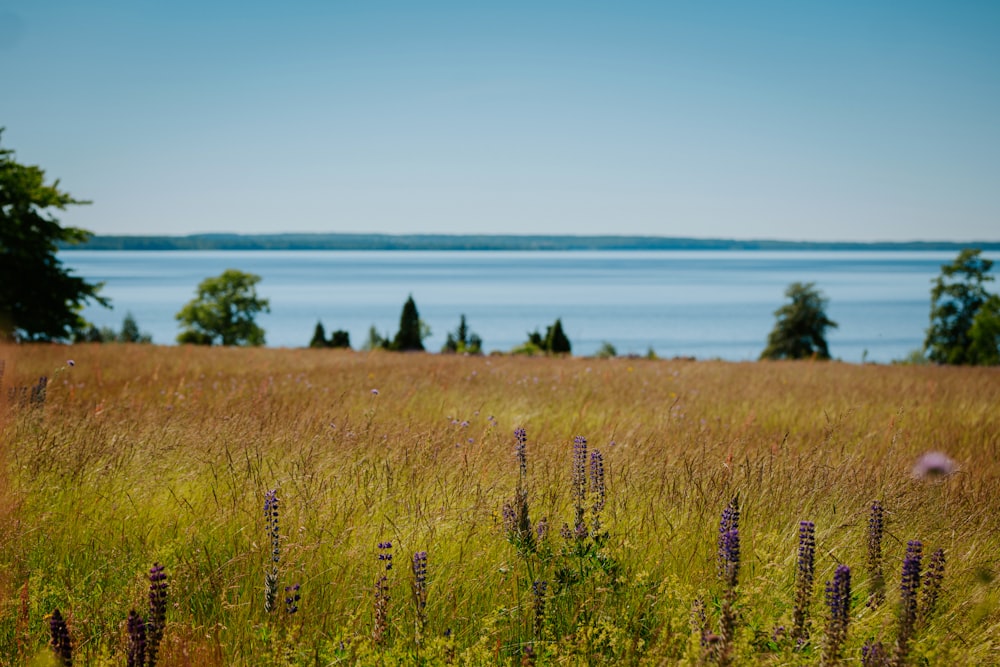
[956, 297]
[409, 337]
[556, 341]
[130, 331]
[800, 332]
[462, 340]
[319, 336]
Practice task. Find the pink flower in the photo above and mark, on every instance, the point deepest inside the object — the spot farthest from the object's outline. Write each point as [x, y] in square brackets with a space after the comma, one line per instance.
[933, 465]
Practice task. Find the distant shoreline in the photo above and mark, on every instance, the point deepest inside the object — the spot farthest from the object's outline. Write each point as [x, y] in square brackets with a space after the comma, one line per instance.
[489, 242]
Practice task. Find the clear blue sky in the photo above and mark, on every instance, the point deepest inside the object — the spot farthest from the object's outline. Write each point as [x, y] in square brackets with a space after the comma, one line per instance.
[867, 120]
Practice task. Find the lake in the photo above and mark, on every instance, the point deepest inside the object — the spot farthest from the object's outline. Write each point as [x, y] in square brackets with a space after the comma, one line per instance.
[704, 304]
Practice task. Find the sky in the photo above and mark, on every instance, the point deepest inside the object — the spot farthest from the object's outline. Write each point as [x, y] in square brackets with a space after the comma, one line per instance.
[775, 119]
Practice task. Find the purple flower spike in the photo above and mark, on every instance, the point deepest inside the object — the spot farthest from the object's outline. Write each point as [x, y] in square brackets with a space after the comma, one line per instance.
[838, 599]
[60, 641]
[521, 449]
[804, 581]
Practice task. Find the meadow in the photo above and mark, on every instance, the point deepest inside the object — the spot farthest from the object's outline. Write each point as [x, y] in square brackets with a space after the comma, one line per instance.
[502, 551]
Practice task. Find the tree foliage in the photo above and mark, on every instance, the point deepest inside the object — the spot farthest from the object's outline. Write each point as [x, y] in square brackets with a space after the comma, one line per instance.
[130, 333]
[338, 338]
[412, 331]
[957, 297]
[463, 341]
[800, 330]
[555, 341]
[223, 312]
[40, 300]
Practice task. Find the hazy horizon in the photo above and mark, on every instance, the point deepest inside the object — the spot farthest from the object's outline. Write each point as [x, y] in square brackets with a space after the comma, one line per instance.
[851, 122]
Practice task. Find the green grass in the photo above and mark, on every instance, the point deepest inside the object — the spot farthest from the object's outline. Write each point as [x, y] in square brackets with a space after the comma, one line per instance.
[144, 454]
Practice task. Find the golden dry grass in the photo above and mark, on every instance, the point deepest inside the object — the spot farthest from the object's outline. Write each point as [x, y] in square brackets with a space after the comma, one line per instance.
[145, 454]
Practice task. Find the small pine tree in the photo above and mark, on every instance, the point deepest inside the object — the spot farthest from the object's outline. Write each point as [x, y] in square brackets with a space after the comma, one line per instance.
[556, 341]
[319, 336]
[409, 337]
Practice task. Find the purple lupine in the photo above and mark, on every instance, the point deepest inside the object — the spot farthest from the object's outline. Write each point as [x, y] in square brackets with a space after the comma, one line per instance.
[579, 479]
[136, 628]
[538, 589]
[838, 600]
[292, 597]
[60, 641]
[873, 654]
[38, 392]
[909, 588]
[876, 528]
[931, 585]
[521, 450]
[420, 589]
[380, 628]
[729, 568]
[274, 536]
[542, 529]
[730, 521]
[157, 612]
[804, 576]
[597, 480]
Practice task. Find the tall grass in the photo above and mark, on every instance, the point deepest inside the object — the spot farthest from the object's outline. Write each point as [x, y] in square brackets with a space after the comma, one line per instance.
[141, 454]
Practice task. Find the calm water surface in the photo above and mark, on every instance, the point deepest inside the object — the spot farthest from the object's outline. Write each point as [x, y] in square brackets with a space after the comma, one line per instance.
[704, 304]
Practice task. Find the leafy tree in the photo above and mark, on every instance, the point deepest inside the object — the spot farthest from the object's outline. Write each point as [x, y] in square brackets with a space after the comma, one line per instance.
[606, 351]
[340, 338]
[800, 331]
[463, 341]
[984, 335]
[39, 299]
[319, 336]
[223, 312]
[956, 297]
[375, 340]
[411, 330]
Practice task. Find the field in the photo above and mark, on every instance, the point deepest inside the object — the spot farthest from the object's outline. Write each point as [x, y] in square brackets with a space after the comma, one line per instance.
[136, 455]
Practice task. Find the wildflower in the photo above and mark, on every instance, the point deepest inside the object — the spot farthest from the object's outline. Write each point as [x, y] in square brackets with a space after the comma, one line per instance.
[61, 644]
[597, 480]
[931, 584]
[933, 465]
[274, 535]
[542, 528]
[374, 392]
[804, 581]
[730, 521]
[838, 599]
[420, 581]
[909, 587]
[380, 628]
[70, 362]
[521, 450]
[579, 480]
[292, 598]
[136, 628]
[873, 654]
[538, 589]
[157, 612]
[876, 527]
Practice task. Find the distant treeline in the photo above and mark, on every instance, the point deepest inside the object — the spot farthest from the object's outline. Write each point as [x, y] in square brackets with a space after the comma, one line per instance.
[484, 242]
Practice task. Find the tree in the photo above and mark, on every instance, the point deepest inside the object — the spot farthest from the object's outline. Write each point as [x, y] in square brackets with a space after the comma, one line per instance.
[800, 331]
[375, 340]
[40, 300]
[319, 336]
[130, 332]
[463, 341]
[956, 297]
[411, 330]
[340, 338]
[556, 341]
[984, 334]
[223, 312]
